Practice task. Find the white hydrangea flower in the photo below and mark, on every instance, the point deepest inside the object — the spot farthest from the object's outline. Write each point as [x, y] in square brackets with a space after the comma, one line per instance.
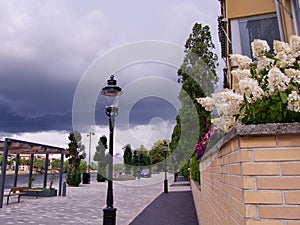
[285, 59]
[263, 63]
[241, 74]
[242, 61]
[225, 123]
[277, 80]
[284, 53]
[295, 44]
[259, 48]
[251, 89]
[231, 102]
[293, 74]
[227, 104]
[294, 101]
[280, 46]
[207, 103]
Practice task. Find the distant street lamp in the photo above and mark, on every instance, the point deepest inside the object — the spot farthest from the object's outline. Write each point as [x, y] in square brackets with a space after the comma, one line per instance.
[175, 167]
[112, 93]
[89, 163]
[165, 147]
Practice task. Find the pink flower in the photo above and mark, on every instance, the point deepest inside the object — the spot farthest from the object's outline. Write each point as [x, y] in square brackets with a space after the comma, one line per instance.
[202, 145]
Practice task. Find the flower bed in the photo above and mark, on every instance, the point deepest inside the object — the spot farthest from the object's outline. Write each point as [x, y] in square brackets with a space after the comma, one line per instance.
[267, 90]
[41, 192]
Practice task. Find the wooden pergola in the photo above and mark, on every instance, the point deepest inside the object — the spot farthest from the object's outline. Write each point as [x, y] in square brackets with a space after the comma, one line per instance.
[18, 147]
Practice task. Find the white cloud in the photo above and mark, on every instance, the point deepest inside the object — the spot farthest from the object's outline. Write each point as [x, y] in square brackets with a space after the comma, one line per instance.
[53, 138]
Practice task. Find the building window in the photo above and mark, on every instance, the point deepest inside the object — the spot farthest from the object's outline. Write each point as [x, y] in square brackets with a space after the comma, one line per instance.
[297, 17]
[245, 30]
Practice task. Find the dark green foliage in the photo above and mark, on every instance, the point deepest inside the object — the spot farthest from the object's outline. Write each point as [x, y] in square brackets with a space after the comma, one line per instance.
[127, 158]
[143, 158]
[24, 162]
[270, 109]
[198, 78]
[83, 166]
[184, 171]
[135, 162]
[75, 154]
[55, 164]
[39, 165]
[100, 178]
[194, 165]
[157, 155]
[74, 179]
[101, 158]
[140, 159]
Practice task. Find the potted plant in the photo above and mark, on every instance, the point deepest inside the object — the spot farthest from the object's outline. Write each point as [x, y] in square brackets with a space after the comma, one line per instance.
[267, 90]
[41, 191]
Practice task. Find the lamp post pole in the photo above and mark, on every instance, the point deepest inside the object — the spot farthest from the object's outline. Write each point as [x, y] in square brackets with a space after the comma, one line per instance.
[112, 93]
[89, 165]
[165, 148]
[110, 212]
[175, 168]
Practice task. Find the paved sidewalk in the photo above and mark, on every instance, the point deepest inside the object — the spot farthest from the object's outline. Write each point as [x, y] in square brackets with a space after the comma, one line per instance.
[84, 204]
[173, 208]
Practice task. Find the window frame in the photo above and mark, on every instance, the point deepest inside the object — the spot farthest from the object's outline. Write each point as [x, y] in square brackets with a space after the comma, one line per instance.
[236, 46]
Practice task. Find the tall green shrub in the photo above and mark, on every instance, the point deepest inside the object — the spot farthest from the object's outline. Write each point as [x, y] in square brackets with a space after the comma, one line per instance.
[75, 154]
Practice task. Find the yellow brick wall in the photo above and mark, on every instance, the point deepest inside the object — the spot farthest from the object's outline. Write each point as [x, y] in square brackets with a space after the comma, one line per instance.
[252, 180]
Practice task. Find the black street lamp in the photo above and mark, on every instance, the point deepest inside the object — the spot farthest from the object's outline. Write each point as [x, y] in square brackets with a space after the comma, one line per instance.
[112, 93]
[165, 147]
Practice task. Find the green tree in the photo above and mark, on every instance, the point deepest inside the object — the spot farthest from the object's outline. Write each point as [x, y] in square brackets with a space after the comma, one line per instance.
[101, 158]
[198, 77]
[143, 156]
[39, 165]
[140, 159]
[127, 156]
[55, 164]
[25, 162]
[157, 154]
[66, 166]
[83, 166]
[135, 163]
[75, 154]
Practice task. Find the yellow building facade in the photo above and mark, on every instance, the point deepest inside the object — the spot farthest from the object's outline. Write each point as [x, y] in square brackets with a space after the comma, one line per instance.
[242, 21]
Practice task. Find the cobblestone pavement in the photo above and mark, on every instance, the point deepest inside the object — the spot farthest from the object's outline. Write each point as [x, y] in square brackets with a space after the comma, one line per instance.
[84, 204]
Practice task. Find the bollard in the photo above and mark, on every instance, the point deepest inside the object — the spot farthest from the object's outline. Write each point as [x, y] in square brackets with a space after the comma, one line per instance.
[64, 189]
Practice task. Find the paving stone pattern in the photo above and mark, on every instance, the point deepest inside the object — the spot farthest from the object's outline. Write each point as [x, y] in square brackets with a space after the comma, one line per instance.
[84, 204]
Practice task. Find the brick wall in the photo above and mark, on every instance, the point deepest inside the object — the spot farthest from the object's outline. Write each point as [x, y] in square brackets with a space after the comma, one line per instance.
[252, 178]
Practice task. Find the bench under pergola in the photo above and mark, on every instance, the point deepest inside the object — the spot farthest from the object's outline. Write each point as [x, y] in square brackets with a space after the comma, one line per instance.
[17, 147]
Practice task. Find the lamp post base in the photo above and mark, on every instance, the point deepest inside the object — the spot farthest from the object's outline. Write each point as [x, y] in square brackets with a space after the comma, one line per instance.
[109, 216]
[166, 186]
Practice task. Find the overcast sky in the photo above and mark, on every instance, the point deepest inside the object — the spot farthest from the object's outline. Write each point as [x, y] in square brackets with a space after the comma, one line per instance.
[47, 47]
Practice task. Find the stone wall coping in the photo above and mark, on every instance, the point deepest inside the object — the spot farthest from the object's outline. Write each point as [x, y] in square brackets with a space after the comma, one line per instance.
[254, 130]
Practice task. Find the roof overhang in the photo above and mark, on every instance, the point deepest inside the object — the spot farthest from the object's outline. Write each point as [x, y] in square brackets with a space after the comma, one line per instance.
[24, 147]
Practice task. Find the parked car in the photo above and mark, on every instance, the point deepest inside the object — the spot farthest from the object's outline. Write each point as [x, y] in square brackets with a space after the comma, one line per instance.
[145, 173]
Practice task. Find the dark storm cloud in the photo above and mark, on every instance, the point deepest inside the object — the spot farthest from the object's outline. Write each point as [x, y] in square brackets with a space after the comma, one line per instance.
[31, 100]
[11, 122]
[149, 108]
[47, 45]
